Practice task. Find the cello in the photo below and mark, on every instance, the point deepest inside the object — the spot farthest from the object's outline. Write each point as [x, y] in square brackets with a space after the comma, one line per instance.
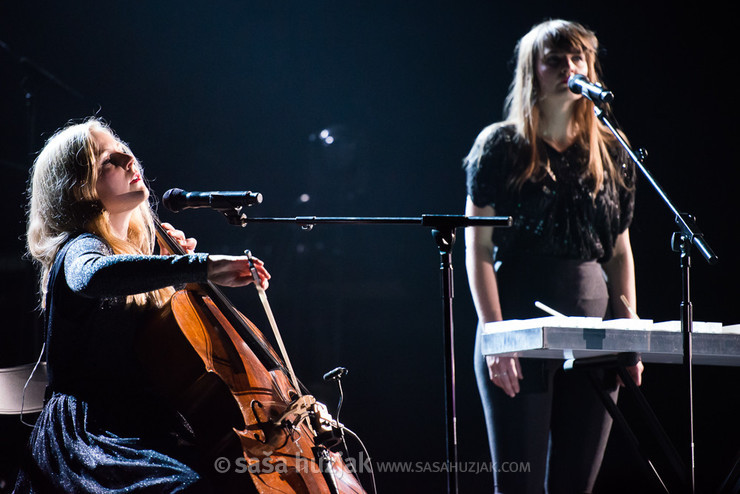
[246, 410]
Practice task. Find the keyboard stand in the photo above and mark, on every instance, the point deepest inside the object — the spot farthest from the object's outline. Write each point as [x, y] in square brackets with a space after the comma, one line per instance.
[731, 484]
[620, 362]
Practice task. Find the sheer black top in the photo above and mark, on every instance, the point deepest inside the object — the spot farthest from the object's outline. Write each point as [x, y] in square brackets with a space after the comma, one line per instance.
[558, 215]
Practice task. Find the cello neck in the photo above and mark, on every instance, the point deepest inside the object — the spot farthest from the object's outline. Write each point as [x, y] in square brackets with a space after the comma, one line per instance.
[259, 346]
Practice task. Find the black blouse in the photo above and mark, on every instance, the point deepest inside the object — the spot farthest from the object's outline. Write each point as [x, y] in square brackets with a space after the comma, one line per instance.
[556, 215]
[91, 333]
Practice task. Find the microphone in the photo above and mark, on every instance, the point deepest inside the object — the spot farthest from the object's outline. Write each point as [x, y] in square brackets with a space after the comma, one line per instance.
[177, 199]
[334, 374]
[580, 84]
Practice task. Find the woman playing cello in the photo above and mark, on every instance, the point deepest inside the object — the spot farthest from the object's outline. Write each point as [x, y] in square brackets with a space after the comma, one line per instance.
[91, 230]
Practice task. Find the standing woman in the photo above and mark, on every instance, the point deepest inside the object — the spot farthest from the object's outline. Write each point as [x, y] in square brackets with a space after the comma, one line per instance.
[91, 231]
[569, 187]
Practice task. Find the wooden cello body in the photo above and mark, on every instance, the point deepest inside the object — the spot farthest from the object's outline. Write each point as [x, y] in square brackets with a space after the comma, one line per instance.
[256, 430]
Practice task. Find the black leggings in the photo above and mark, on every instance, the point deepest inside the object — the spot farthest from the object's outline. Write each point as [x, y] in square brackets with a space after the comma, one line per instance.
[553, 433]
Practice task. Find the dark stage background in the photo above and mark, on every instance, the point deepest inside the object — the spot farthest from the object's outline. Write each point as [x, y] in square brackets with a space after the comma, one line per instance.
[234, 96]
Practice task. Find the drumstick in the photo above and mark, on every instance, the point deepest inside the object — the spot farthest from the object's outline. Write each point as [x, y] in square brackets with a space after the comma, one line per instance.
[629, 307]
[547, 309]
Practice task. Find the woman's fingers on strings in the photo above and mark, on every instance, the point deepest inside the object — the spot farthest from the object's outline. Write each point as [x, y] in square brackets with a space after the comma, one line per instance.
[186, 243]
[190, 244]
[171, 230]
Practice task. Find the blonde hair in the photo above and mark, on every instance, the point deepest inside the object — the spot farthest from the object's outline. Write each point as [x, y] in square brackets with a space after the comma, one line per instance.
[522, 110]
[63, 202]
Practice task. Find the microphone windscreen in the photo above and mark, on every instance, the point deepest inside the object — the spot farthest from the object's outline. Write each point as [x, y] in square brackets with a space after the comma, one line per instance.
[171, 199]
[573, 83]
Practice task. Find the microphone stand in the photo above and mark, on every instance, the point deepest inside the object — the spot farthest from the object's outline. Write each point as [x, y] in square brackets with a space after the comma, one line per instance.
[31, 72]
[682, 241]
[443, 231]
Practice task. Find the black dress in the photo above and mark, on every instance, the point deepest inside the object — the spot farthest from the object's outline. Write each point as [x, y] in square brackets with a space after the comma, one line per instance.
[104, 428]
[561, 233]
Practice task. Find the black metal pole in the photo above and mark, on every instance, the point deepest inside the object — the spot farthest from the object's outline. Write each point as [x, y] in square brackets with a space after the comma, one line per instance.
[682, 241]
[683, 245]
[445, 240]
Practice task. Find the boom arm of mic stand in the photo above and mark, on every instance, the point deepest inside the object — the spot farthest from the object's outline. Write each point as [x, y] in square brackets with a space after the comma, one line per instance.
[437, 221]
[685, 222]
